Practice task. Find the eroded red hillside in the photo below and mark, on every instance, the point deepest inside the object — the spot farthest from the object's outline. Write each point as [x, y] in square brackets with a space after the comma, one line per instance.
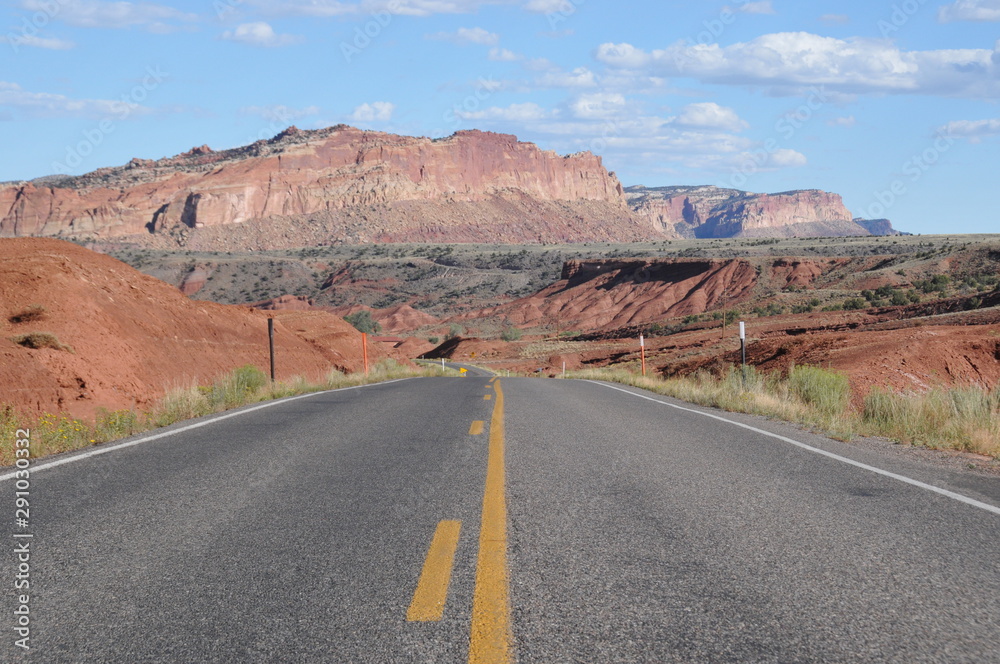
[129, 337]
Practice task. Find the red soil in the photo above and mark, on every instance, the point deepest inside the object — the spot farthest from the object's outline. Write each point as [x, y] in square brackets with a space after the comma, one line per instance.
[134, 337]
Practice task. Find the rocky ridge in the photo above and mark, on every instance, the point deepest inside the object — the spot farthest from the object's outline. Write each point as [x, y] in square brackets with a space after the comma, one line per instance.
[351, 185]
[714, 212]
[344, 185]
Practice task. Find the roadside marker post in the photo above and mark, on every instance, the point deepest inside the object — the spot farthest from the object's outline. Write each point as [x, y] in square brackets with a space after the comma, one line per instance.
[743, 342]
[642, 352]
[743, 351]
[270, 343]
[364, 350]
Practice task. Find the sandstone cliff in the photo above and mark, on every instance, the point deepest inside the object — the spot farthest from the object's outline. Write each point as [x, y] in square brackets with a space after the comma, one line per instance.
[713, 212]
[352, 185]
[345, 185]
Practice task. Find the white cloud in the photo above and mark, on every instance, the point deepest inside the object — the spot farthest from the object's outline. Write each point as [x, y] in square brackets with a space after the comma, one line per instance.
[468, 36]
[709, 115]
[528, 112]
[581, 77]
[379, 111]
[610, 125]
[328, 8]
[35, 41]
[503, 55]
[598, 106]
[625, 56]
[974, 130]
[785, 158]
[548, 6]
[116, 15]
[48, 105]
[280, 113]
[848, 121]
[787, 63]
[763, 7]
[259, 34]
[970, 10]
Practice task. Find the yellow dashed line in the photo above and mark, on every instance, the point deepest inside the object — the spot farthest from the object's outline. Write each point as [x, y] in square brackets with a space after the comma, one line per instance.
[432, 589]
[476, 428]
[487, 397]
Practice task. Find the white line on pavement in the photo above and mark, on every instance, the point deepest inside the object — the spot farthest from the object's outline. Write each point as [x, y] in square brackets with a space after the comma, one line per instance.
[104, 449]
[902, 478]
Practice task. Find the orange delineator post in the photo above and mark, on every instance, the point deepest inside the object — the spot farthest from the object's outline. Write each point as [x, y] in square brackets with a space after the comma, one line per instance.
[364, 349]
[642, 349]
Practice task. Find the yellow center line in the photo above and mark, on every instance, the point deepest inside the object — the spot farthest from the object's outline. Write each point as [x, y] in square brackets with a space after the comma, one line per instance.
[432, 589]
[490, 639]
[476, 428]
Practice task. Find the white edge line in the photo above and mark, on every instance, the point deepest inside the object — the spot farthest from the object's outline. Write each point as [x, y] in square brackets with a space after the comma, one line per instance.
[104, 449]
[902, 478]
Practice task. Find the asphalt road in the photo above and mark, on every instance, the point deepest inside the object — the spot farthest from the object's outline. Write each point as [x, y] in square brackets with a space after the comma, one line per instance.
[629, 531]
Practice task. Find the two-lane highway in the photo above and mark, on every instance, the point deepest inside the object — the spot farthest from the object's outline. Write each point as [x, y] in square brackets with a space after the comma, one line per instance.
[538, 520]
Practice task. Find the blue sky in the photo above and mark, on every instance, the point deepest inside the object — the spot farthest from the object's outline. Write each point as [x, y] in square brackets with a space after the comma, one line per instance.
[891, 104]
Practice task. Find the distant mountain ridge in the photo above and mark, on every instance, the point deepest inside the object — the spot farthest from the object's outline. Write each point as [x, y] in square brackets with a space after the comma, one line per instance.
[345, 185]
[715, 212]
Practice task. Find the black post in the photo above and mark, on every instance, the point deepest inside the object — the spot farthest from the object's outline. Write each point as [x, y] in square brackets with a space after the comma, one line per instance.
[270, 337]
[743, 352]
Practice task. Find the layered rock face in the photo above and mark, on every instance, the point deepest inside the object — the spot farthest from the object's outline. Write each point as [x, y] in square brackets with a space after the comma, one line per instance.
[328, 176]
[713, 212]
[613, 293]
[345, 185]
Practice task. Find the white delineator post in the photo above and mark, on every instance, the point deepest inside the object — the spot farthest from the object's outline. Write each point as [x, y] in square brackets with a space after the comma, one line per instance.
[743, 342]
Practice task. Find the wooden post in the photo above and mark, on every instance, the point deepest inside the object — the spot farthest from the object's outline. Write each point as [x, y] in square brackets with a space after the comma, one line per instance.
[270, 339]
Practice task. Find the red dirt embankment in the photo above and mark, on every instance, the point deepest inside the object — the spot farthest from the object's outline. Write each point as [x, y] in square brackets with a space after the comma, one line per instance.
[133, 337]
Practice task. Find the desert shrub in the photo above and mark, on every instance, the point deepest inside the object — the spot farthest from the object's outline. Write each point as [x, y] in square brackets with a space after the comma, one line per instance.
[40, 340]
[363, 322]
[181, 404]
[855, 303]
[434, 340]
[33, 313]
[111, 425]
[826, 390]
[454, 331]
[240, 386]
[966, 418]
[510, 334]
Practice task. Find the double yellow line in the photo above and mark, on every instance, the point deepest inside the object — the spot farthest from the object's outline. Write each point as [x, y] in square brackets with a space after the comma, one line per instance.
[490, 638]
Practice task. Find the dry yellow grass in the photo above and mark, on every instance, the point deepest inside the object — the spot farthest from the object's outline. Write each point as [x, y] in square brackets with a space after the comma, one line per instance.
[52, 433]
[966, 419]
